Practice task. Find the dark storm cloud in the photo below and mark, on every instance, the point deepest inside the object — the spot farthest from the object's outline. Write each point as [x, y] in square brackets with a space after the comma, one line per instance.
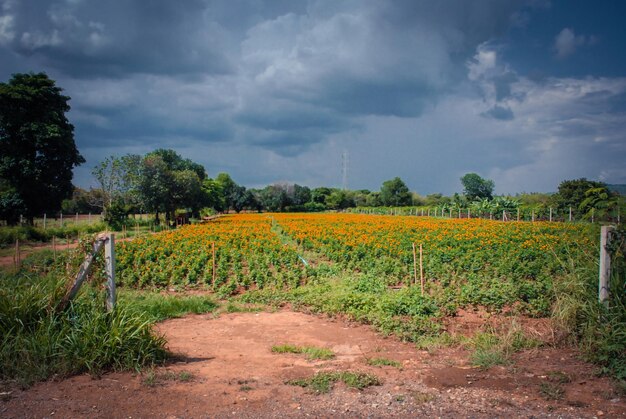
[276, 90]
[114, 39]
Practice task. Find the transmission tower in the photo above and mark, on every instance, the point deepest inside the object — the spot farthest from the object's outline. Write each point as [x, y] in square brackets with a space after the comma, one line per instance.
[344, 170]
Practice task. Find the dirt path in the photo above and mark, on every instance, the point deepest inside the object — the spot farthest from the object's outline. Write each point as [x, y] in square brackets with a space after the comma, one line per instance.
[226, 369]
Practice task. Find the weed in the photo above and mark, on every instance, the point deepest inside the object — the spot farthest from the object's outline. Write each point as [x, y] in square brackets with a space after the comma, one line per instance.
[152, 378]
[558, 377]
[379, 362]
[322, 382]
[421, 397]
[487, 358]
[311, 352]
[551, 391]
[185, 376]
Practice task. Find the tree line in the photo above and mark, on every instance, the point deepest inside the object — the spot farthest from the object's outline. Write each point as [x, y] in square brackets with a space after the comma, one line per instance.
[38, 155]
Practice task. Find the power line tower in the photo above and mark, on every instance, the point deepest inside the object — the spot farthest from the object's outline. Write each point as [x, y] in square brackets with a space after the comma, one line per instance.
[344, 170]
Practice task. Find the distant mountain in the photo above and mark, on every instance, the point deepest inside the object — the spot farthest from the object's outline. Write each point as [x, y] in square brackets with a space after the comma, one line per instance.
[620, 189]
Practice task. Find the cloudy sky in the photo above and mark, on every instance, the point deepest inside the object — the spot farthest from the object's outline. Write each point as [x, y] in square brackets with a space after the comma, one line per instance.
[527, 93]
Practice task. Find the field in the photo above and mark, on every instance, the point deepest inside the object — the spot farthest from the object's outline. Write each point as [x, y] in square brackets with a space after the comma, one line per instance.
[502, 303]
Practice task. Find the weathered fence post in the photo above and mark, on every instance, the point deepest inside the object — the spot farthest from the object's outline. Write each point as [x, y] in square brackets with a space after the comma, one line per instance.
[109, 260]
[550, 214]
[213, 271]
[44, 221]
[414, 265]
[605, 265]
[421, 270]
[570, 214]
[81, 276]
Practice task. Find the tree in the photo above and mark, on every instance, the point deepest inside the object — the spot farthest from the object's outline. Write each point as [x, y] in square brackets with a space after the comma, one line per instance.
[213, 195]
[572, 193]
[227, 186]
[119, 179]
[37, 148]
[155, 185]
[395, 193]
[475, 187]
[275, 197]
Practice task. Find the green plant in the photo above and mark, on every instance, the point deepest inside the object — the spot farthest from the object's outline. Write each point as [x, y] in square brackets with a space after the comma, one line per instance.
[322, 382]
[551, 391]
[157, 307]
[558, 377]
[37, 342]
[379, 362]
[311, 352]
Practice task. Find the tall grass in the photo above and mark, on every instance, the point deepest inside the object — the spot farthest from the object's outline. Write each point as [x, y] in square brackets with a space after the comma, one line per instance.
[37, 342]
[599, 331]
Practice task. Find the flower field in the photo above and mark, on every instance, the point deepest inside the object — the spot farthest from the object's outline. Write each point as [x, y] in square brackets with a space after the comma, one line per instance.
[247, 253]
[466, 262]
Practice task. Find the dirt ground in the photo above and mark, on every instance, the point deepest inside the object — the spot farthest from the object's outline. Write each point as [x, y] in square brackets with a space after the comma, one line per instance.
[225, 368]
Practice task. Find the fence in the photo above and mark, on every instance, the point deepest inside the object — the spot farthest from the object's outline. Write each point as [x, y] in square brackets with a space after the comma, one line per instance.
[526, 214]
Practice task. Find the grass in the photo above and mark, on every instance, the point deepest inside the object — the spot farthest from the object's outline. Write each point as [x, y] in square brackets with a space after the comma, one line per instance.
[495, 347]
[37, 342]
[311, 352]
[442, 340]
[551, 391]
[157, 307]
[558, 377]
[152, 378]
[381, 362]
[323, 381]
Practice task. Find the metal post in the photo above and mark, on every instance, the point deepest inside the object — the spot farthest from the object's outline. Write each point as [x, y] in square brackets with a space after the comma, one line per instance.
[550, 214]
[570, 214]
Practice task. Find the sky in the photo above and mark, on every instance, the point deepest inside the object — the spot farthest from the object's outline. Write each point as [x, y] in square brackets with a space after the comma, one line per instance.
[526, 93]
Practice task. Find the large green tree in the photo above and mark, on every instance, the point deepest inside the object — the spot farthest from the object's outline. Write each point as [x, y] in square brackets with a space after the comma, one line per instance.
[475, 187]
[168, 182]
[572, 193]
[37, 148]
[395, 193]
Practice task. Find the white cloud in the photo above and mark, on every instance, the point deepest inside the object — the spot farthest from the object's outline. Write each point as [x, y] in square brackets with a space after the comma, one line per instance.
[6, 29]
[566, 42]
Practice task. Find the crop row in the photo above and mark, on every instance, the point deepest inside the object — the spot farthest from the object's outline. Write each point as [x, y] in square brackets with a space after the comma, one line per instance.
[247, 254]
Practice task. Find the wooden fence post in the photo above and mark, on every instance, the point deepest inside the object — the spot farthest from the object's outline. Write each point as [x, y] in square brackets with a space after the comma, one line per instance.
[214, 264]
[82, 275]
[421, 269]
[570, 214]
[605, 265]
[550, 214]
[109, 260]
[414, 265]
[44, 221]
